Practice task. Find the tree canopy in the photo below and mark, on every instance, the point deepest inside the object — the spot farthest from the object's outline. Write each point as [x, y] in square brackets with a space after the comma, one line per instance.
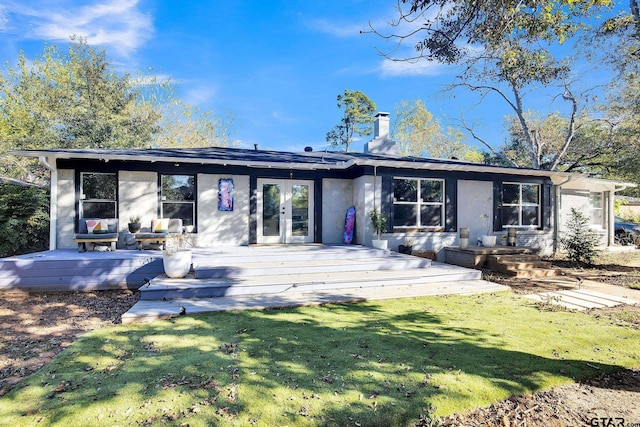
[75, 98]
[505, 49]
[418, 133]
[357, 118]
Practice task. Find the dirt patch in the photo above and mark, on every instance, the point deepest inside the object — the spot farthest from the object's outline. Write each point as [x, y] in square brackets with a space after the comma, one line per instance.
[611, 400]
[36, 327]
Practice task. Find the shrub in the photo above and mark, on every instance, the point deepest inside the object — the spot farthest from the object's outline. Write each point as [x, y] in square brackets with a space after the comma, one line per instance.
[24, 219]
[580, 240]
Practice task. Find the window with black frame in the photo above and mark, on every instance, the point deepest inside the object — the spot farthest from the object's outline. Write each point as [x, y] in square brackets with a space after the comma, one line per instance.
[418, 203]
[520, 205]
[178, 194]
[98, 195]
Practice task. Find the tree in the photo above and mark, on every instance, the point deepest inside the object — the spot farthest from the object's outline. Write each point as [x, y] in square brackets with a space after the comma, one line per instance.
[24, 219]
[183, 125]
[77, 99]
[71, 100]
[356, 120]
[504, 48]
[418, 133]
[579, 240]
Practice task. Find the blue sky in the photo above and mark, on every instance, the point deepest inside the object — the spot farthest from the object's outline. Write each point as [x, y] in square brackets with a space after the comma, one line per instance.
[277, 66]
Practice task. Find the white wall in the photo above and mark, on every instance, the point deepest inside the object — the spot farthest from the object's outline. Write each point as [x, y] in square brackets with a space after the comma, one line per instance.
[138, 196]
[363, 200]
[65, 227]
[337, 197]
[220, 228]
[579, 199]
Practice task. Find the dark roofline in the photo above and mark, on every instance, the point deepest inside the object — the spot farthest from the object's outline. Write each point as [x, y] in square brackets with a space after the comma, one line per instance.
[281, 159]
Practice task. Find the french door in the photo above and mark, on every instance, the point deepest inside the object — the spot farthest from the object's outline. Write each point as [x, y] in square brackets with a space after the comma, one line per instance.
[285, 211]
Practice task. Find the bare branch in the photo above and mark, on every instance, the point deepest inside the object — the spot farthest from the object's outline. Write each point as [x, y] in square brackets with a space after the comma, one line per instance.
[567, 96]
[493, 151]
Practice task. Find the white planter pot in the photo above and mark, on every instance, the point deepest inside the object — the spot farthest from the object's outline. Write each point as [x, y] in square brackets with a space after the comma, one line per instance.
[177, 264]
[489, 241]
[379, 244]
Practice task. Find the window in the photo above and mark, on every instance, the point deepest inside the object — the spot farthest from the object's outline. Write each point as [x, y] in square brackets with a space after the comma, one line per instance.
[98, 195]
[595, 205]
[418, 203]
[520, 205]
[179, 197]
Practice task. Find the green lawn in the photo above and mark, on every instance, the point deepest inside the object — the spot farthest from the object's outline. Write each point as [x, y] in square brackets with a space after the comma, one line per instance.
[379, 363]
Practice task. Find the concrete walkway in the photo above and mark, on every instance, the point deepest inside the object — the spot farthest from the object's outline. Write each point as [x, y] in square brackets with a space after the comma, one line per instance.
[589, 294]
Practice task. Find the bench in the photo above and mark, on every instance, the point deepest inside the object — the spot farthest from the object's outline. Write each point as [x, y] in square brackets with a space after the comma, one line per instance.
[174, 229]
[83, 237]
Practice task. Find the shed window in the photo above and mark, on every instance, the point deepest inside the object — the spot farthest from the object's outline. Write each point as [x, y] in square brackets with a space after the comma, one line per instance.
[520, 205]
[418, 203]
[595, 205]
[98, 195]
[179, 197]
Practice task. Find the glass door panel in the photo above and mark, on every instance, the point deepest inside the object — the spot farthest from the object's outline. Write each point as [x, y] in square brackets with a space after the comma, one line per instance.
[271, 210]
[285, 211]
[300, 210]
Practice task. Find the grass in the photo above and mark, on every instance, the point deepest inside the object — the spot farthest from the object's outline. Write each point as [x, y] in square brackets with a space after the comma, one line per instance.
[378, 363]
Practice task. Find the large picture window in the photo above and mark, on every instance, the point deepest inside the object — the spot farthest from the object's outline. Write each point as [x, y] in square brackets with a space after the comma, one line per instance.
[179, 197]
[418, 203]
[520, 205]
[595, 205]
[98, 195]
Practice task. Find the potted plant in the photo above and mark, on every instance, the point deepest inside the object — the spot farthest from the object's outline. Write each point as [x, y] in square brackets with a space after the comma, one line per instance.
[176, 259]
[406, 247]
[488, 239]
[134, 223]
[379, 223]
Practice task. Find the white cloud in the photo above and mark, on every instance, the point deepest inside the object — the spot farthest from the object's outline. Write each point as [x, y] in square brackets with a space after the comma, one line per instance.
[119, 24]
[420, 67]
[200, 95]
[4, 18]
[336, 29]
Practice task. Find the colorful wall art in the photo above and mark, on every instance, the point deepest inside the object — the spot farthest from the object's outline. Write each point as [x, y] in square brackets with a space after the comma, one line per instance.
[225, 195]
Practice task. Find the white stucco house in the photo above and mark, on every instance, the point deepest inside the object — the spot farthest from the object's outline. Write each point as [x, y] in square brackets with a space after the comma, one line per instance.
[240, 197]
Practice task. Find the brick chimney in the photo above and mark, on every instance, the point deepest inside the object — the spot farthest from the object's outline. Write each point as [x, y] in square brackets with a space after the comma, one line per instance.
[381, 125]
[381, 143]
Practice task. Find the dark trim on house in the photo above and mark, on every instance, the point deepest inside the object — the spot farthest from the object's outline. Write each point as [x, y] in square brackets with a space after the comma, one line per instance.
[317, 210]
[451, 204]
[195, 196]
[253, 210]
[77, 190]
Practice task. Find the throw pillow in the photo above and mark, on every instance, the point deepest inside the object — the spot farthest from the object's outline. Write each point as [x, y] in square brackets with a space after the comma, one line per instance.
[97, 226]
[160, 225]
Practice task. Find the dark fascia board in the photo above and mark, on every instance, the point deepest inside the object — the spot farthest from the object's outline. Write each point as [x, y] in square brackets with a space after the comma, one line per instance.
[264, 159]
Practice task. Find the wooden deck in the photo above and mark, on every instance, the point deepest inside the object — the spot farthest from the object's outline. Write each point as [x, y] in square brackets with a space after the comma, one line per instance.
[477, 256]
[242, 277]
[69, 270]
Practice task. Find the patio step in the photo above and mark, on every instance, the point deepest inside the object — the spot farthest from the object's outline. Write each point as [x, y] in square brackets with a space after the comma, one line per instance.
[493, 261]
[162, 287]
[522, 266]
[236, 268]
[150, 310]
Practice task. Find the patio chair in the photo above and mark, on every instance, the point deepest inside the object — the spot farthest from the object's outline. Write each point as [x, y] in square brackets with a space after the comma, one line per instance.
[97, 233]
